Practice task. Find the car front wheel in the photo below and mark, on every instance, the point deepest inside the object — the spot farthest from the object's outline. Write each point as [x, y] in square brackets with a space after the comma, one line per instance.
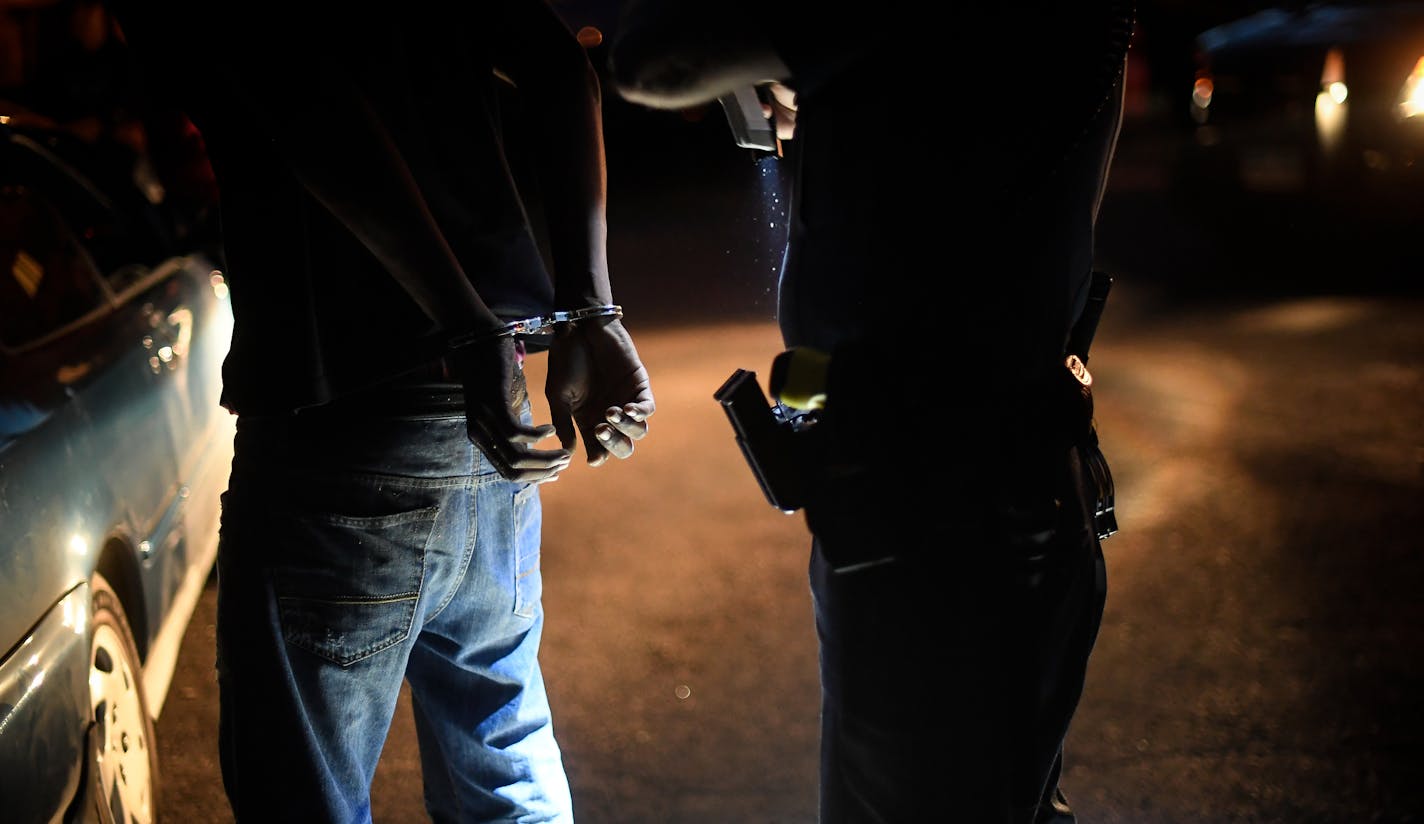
[127, 762]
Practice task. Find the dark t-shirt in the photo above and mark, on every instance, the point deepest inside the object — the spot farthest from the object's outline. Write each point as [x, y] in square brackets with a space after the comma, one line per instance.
[318, 315]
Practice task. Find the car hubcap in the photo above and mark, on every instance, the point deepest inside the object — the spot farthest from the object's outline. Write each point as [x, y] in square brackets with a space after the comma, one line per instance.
[124, 772]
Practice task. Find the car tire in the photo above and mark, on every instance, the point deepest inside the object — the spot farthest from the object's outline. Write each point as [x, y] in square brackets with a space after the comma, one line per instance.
[126, 767]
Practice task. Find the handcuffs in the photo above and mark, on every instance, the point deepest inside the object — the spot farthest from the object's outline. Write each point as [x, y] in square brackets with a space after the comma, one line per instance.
[539, 325]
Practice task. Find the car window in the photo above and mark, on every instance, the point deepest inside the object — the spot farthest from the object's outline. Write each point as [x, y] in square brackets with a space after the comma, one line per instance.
[112, 222]
[47, 279]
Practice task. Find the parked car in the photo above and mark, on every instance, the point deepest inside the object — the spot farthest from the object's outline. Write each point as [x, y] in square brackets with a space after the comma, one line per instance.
[1320, 100]
[114, 451]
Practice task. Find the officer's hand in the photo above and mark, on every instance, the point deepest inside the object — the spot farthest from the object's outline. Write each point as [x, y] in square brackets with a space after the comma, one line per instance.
[781, 109]
[495, 393]
[597, 383]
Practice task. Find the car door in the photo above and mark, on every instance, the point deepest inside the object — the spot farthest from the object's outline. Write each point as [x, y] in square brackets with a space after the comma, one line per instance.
[100, 462]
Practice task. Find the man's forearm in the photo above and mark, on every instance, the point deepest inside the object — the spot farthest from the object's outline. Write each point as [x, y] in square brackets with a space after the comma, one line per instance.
[568, 129]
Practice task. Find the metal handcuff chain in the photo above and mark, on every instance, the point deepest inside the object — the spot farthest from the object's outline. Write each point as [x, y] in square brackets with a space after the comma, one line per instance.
[538, 325]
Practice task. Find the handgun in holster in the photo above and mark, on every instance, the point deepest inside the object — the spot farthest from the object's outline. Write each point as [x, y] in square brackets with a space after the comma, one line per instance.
[772, 438]
[1076, 363]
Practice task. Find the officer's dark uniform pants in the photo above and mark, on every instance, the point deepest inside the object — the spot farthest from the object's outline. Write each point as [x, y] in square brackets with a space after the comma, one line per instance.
[951, 674]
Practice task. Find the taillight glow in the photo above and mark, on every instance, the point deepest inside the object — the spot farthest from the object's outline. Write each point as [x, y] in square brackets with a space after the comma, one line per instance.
[1201, 92]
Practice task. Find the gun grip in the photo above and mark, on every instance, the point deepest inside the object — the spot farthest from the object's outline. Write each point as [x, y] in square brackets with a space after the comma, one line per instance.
[750, 126]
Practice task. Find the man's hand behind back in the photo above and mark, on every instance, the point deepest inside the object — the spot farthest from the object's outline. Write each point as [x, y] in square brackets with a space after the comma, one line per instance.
[597, 387]
[494, 398]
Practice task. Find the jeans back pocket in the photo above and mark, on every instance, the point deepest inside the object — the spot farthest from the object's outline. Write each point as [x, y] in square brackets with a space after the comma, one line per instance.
[349, 586]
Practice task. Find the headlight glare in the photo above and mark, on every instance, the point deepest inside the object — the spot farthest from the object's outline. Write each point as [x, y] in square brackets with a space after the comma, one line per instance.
[1411, 95]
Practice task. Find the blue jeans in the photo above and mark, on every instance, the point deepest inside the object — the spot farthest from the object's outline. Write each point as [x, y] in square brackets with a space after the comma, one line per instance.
[358, 551]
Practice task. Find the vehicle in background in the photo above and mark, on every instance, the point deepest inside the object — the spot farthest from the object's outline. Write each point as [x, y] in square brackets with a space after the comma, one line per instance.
[1323, 101]
[114, 452]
